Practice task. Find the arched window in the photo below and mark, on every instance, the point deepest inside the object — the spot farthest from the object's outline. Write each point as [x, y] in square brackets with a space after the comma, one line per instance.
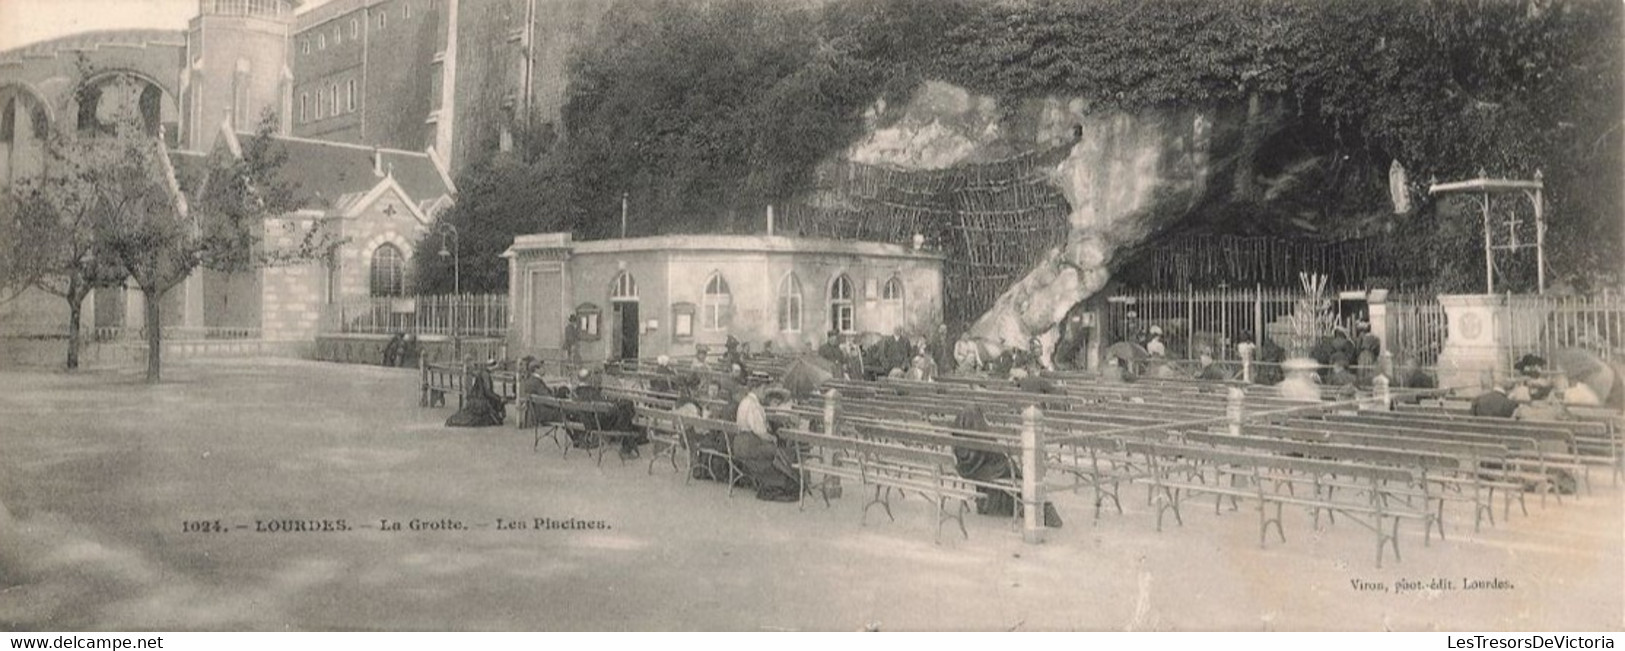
[893, 291]
[790, 304]
[717, 305]
[388, 271]
[840, 305]
[625, 288]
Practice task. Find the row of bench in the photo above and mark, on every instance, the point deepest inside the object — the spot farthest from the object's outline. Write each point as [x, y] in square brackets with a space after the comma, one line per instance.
[894, 437]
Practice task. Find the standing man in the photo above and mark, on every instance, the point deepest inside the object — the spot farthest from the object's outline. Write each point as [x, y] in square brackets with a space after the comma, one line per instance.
[941, 349]
[572, 339]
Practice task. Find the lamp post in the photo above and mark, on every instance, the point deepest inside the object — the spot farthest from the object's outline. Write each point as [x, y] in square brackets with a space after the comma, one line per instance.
[446, 228]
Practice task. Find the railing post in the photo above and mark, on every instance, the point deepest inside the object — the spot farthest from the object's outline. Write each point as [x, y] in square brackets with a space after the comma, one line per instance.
[1032, 476]
[1245, 349]
[1235, 409]
[1383, 398]
[423, 377]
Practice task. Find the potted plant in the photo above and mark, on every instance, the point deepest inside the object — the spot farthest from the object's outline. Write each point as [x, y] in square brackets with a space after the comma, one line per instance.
[1312, 319]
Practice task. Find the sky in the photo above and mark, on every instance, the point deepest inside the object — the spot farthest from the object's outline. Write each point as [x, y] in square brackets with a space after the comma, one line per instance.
[30, 21]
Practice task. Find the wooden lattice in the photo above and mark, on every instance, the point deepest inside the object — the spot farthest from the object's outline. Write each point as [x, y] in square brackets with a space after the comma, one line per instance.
[992, 221]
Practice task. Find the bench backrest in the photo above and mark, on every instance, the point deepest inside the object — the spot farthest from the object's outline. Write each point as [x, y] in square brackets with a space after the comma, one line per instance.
[1376, 455]
[1457, 448]
[1262, 461]
[924, 434]
[1512, 442]
[874, 450]
[1544, 431]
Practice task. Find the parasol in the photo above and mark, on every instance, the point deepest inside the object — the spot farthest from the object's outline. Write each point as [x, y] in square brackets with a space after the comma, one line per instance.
[806, 375]
[1583, 367]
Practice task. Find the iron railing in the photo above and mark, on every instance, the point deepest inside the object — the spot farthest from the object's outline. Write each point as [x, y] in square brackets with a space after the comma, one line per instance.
[467, 315]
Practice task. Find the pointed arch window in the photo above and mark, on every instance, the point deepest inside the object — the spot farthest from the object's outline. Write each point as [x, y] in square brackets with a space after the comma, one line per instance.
[790, 303]
[841, 308]
[388, 271]
[625, 288]
[892, 292]
[716, 308]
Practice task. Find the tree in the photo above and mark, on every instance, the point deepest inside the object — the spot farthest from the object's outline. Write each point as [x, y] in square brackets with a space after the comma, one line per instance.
[56, 218]
[145, 225]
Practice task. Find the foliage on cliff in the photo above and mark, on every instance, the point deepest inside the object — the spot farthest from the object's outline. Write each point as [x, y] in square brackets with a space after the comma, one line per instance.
[702, 113]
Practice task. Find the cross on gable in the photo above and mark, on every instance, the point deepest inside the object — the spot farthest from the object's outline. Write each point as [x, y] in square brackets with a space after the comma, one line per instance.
[389, 209]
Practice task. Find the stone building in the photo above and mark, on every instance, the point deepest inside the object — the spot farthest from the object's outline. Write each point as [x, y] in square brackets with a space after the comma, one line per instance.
[649, 296]
[463, 77]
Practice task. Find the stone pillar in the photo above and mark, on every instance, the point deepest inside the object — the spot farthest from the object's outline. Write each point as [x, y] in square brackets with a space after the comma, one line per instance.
[1032, 476]
[1234, 409]
[1472, 346]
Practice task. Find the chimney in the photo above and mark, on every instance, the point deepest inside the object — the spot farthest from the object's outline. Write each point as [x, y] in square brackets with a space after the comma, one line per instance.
[377, 162]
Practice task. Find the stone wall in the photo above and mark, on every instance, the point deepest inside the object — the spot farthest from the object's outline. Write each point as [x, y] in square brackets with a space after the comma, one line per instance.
[292, 294]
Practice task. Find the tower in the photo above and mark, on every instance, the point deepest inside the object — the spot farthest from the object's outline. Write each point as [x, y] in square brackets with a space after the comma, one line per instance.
[236, 67]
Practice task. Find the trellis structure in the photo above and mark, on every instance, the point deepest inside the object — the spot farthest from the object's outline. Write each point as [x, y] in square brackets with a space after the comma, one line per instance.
[1516, 236]
[993, 221]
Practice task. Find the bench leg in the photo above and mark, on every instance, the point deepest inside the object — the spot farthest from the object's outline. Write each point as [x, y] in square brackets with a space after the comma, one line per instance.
[1264, 522]
[1386, 540]
[883, 499]
[943, 516]
[1170, 502]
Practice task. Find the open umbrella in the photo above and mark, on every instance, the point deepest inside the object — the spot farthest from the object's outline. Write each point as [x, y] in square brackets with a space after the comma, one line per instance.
[806, 375]
[1128, 352]
[1583, 367]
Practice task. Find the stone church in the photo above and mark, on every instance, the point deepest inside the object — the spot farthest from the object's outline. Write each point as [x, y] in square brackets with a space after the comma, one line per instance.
[377, 103]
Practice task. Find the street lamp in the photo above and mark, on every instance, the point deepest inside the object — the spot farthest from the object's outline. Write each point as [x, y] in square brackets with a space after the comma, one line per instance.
[444, 229]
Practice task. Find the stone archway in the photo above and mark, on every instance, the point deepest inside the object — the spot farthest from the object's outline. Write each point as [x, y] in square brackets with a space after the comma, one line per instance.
[105, 98]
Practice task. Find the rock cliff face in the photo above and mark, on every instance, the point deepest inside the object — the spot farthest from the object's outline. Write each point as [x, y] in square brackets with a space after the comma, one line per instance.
[1125, 176]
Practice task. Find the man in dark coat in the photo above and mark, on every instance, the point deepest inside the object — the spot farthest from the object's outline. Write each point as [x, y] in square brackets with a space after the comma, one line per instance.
[392, 350]
[941, 350]
[1494, 403]
[990, 467]
[532, 385]
[831, 350]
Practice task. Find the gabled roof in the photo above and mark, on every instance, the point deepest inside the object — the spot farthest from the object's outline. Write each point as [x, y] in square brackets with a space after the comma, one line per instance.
[330, 175]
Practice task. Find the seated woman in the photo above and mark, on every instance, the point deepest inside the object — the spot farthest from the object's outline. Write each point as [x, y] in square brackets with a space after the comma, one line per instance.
[991, 467]
[757, 452]
[482, 407]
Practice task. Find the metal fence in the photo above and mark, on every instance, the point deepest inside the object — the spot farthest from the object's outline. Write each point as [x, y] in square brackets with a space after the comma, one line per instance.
[1415, 329]
[472, 315]
[1544, 325]
[1210, 321]
[1200, 321]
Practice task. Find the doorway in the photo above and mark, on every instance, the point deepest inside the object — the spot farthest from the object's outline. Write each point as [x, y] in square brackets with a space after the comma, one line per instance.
[626, 330]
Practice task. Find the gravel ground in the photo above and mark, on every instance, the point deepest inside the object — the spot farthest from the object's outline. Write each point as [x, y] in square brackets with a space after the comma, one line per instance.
[99, 475]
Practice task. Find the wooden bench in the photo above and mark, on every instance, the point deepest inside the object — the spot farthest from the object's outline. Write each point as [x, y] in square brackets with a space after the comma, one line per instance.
[1522, 452]
[886, 467]
[1552, 447]
[1593, 440]
[439, 380]
[579, 418]
[671, 432]
[1375, 513]
[1423, 464]
[1471, 473]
